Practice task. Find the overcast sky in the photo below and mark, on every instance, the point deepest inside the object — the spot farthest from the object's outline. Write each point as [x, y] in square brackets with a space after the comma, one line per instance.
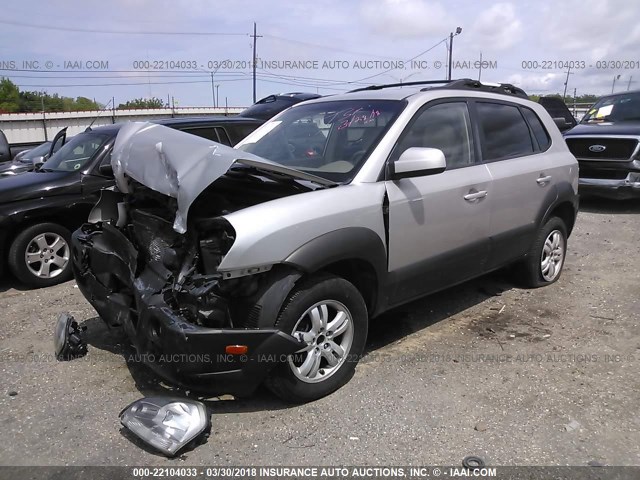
[507, 33]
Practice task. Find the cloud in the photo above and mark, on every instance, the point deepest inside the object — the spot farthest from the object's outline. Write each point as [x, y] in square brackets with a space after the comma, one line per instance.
[498, 27]
[544, 83]
[405, 18]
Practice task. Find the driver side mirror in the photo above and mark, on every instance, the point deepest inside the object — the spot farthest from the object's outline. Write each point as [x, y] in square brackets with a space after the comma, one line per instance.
[106, 170]
[37, 162]
[417, 162]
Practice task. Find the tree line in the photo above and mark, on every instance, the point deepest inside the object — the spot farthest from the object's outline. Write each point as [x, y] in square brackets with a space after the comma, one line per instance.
[14, 100]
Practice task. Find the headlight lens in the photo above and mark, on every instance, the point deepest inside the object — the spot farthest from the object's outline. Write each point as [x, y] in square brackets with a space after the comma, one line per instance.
[67, 338]
[167, 424]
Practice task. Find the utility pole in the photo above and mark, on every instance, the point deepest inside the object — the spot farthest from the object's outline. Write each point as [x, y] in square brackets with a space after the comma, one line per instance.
[480, 68]
[451, 35]
[113, 109]
[575, 90]
[450, 54]
[566, 82]
[44, 120]
[217, 95]
[255, 60]
[213, 97]
[629, 84]
[615, 77]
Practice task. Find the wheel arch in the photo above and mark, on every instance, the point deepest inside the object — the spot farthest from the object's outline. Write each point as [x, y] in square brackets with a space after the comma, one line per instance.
[565, 206]
[356, 254]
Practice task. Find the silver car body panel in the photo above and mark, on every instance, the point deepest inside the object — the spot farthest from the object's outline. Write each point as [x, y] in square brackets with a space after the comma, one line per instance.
[269, 232]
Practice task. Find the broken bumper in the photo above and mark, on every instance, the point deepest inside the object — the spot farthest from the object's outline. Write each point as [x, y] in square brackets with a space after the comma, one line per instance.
[617, 189]
[104, 264]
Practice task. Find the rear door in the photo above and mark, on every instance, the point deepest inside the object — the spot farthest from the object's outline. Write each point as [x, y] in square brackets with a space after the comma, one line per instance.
[5, 150]
[438, 224]
[513, 144]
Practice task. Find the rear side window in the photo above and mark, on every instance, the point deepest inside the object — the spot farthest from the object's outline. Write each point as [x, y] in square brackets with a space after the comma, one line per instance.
[209, 133]
[224, 138]
[539, 132]
[506, 133]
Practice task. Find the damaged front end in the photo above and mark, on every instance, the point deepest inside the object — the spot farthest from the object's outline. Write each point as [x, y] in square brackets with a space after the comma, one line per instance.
[162, 287]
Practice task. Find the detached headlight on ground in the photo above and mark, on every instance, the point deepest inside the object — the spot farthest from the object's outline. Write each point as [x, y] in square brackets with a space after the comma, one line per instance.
[67, 338]
[167, 424]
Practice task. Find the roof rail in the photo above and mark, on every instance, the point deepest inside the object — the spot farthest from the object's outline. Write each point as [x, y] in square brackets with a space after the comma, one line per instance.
[405, 84]
[462, 84]
[502, 88]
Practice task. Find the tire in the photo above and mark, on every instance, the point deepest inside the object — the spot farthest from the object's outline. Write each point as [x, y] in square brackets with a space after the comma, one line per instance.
[308, 375]
[43, 241]
[530, 272]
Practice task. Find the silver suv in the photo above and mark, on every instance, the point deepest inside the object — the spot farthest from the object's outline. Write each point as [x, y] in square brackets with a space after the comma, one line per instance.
[230, 267]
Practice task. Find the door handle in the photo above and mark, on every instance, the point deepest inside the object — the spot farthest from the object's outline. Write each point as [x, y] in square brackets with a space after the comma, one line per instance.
[544, 180]
[471, 197]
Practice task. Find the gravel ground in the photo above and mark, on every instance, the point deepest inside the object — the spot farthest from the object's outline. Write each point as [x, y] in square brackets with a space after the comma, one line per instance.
[519, 377]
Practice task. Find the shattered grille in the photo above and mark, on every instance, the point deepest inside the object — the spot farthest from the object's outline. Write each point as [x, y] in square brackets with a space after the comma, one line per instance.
[156, 248]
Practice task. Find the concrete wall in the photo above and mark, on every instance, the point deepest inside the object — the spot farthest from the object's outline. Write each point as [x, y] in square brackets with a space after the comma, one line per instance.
[38, 127]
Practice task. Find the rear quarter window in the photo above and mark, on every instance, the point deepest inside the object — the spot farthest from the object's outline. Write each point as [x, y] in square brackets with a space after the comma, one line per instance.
[539, 132]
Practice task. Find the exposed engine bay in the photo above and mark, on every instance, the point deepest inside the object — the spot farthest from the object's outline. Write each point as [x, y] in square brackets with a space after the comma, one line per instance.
[186, 263]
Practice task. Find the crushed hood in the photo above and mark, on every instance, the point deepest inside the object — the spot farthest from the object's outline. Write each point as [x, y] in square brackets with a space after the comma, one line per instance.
[179, 164]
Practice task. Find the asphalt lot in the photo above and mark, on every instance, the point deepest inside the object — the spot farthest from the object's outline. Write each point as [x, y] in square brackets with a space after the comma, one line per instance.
[518, 377]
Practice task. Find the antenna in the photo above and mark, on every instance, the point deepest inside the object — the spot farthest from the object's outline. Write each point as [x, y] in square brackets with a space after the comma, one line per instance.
[88, 129]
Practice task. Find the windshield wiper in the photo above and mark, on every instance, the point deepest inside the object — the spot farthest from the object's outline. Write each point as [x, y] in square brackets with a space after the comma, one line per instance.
[258, 172]
[282, 175]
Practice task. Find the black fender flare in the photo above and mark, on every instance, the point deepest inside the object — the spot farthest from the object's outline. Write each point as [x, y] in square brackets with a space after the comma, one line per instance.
[349, 243]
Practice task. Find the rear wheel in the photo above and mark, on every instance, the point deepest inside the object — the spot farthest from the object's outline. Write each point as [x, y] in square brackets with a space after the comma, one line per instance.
[40, 255]
[329, 315]
[545, 260]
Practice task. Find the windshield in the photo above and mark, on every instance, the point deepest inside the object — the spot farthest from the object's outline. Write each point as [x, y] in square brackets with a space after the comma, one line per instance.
[77, 152]
[619, 108]
[328, 139]
[39, 151]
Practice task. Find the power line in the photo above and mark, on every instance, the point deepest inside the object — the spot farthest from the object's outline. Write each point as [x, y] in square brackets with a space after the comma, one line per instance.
[409, 60]
[269, 79]
[326, 47]
[144, 74]
[115, 32]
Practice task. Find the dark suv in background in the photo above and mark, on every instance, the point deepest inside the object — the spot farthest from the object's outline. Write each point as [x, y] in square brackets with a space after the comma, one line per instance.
[39, 209]
[270, 106]
[607, 146]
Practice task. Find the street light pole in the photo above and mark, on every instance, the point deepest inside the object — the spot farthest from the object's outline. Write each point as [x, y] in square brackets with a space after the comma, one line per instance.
[451, 35]
[614, 82]
[213, 97]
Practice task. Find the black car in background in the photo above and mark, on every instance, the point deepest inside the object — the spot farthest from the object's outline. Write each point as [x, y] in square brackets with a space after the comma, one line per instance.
[39, 209]
[270, 106]
[31, 158]
[606, 143]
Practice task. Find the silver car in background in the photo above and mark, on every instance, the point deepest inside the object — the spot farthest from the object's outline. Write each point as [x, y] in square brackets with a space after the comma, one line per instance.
[266, 262]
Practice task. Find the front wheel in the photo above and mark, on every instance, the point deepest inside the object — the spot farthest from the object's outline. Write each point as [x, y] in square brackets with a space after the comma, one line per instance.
[40, 255]
[545, 260]
[329, 315]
